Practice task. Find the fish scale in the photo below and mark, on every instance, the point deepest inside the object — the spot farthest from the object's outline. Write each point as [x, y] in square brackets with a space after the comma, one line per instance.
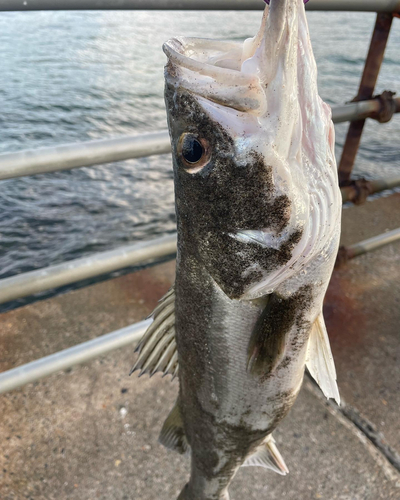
[238, 394]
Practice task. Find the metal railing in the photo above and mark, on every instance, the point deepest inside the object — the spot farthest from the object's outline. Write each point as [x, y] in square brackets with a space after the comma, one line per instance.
[357, 191]
[144, 252]
[369, 245]
[84, 154]
[136, 254]
[90, 153]
[30, 372]
[21, 375]
[332, 5]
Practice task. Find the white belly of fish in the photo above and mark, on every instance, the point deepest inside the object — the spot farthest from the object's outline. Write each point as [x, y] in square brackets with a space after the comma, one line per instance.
[229, 391]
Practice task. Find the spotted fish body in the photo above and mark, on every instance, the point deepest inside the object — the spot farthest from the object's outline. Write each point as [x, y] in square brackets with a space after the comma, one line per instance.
[258, 214]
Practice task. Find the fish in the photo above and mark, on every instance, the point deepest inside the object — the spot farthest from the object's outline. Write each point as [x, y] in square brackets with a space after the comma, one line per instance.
[258, 212]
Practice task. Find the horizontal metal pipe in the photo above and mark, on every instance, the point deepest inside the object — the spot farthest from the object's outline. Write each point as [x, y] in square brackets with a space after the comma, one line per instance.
[72, 271]
[337, 5]
[373, 243]
[382, 184]
[361, 109]
[21, 375]
[355, 110]
[69, 156]
[84, 154]
[26, 284]
[350, 193]
[351, 251]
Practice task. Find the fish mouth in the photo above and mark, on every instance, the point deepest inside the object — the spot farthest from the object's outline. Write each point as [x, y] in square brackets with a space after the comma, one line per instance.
[215, 69]
[206, 56]
[237, 74]
[212, 69]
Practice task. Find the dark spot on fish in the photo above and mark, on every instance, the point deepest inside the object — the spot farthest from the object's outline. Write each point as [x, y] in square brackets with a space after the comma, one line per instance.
[247, 412]
[268, 340]
[283, 364]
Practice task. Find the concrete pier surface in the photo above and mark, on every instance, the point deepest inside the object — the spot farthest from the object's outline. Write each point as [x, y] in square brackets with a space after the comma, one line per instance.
[91, 432]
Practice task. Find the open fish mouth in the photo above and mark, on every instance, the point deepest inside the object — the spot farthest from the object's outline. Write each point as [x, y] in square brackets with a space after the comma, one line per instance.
[205, 55]
[236, 74]
[219, 70]
[213, 70]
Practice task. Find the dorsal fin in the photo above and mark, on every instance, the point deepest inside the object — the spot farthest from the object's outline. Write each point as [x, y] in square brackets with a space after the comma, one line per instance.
[319, 360]
[172, 434]
[267, 455]
[157, 348]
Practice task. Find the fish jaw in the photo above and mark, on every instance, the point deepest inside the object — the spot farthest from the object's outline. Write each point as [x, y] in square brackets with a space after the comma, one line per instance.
[195, 64]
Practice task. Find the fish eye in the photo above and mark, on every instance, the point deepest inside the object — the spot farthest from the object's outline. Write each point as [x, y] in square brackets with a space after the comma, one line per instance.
[194, 152]
[192, 149]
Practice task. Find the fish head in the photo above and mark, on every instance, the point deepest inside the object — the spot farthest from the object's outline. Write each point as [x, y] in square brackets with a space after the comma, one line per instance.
[253, 156]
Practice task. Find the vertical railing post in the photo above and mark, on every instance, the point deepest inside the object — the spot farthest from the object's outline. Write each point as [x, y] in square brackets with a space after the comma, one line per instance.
[365, 91]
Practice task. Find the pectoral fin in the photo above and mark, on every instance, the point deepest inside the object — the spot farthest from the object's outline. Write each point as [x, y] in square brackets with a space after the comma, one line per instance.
[319, 360]
[157, 348]
[172, 434]
[268, 340]
[268, 456]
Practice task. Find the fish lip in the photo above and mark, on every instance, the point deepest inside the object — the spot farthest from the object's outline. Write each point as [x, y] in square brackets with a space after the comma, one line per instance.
[222, 85]
[178, 48]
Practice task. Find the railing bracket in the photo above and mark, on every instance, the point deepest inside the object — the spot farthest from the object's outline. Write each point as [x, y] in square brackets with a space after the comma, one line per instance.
[357, 190]
[388, 107]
